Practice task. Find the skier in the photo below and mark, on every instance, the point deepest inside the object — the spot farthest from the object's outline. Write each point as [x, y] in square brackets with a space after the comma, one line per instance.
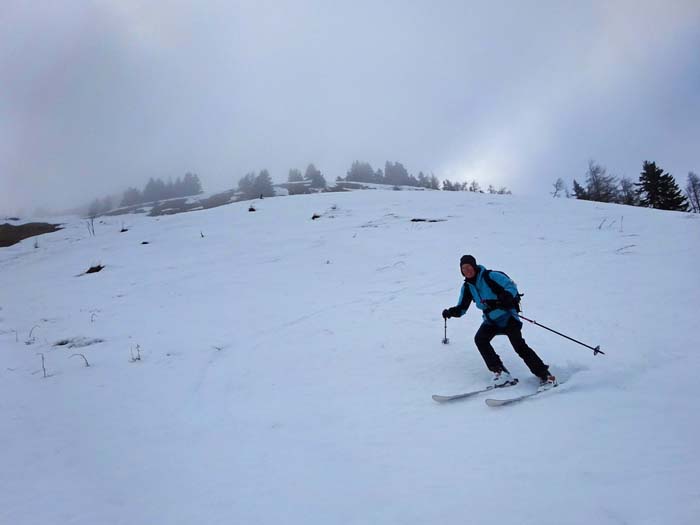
[496, 294]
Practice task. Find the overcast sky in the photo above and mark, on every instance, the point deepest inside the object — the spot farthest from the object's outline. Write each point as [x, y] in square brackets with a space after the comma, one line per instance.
[99, 95]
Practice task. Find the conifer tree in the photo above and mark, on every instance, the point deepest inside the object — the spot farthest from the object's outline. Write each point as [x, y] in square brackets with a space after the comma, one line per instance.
[395, 173]
[361, 172]
[154, 190]
[433, 182]
[263, 185]
[246, 185]
[295, 175]
[131, 196]
[659, 190]
[422, 180]
[191, 185]
[314, 175]
[580, 192]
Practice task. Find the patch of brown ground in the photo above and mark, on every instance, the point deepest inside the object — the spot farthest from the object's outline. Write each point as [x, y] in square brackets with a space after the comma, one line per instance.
[11, 234]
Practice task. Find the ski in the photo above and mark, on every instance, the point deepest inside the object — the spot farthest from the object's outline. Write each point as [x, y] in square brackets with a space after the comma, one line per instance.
[509, 401]
[444, 399]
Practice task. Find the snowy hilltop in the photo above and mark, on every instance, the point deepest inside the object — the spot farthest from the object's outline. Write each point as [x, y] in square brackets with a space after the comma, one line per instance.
[266, 367]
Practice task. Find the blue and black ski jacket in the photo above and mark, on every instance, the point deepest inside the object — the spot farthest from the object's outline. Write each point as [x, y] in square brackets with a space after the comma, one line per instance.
[480, 290]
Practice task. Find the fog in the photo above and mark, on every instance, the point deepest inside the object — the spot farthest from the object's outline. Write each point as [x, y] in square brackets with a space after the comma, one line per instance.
[98, 96]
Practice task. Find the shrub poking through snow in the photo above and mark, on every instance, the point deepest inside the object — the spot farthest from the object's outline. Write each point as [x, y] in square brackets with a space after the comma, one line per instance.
[77, 342]
[31, 339]
[95, 269]
[84, 358]
[136, 357]
[43, 365]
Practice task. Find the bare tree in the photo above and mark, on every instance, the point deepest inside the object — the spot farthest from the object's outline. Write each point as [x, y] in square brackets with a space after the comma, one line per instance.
[559, 187]
[600, 186]
[627, 193]
[692, 191]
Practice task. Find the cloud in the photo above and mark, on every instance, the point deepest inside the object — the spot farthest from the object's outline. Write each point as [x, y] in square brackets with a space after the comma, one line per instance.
[100, 96]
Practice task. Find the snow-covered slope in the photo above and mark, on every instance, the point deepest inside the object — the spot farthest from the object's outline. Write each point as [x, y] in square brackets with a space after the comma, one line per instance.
[287, 366]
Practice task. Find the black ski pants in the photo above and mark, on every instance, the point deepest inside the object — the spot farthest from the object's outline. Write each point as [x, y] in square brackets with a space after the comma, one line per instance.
[488, 331]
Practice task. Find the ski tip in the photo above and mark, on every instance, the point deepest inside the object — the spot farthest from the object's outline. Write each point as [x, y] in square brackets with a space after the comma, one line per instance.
[440, 399]
[496, 402]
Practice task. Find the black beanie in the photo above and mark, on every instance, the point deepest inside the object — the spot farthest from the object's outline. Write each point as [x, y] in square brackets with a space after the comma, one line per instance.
[467, 259]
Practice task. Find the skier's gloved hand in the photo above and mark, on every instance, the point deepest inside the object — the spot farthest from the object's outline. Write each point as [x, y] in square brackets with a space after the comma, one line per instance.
[450, 312]
[506, 300]
[492, 304]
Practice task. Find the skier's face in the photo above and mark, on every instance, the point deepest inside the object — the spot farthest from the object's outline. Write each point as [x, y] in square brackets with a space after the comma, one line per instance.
[468, 271]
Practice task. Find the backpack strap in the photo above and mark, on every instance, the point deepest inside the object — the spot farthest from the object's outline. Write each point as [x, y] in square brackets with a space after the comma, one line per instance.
[495, 287]
[498, 289]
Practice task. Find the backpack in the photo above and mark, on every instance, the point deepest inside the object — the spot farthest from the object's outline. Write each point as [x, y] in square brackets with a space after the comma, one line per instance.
[498, 289]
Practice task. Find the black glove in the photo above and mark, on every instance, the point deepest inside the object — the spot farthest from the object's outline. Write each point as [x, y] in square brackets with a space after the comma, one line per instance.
[492, 304]
[507, 301]
[450, 312]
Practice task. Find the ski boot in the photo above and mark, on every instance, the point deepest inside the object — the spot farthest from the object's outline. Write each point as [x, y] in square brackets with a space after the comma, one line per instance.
[503, 378]
[547, 382]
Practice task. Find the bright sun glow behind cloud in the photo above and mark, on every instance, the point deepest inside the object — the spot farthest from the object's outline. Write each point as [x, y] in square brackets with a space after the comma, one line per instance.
[518, 135]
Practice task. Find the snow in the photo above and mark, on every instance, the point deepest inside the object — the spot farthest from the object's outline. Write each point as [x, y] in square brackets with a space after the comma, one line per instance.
[287, 366]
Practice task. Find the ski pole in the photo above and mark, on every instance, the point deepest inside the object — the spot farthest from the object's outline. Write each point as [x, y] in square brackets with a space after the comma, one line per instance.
[445, 341]
[596, 350]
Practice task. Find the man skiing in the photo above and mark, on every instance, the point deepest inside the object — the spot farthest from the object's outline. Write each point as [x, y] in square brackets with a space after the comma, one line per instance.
[497, 296]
